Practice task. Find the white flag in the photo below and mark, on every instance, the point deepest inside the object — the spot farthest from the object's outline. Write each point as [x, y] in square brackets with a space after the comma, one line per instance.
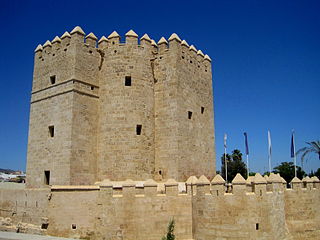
[269, 150]
[269, 143]
[225, 140]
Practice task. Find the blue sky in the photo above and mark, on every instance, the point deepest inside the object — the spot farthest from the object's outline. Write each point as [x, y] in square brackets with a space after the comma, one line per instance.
[265, 56]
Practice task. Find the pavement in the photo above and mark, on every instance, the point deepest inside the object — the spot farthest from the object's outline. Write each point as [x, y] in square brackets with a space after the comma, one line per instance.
[22, 236]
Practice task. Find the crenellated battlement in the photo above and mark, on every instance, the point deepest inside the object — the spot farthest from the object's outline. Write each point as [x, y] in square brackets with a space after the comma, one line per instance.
[174, 46]
[197, 187]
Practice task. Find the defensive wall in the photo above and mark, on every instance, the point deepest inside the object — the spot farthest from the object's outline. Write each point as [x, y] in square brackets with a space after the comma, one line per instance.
[257, 208]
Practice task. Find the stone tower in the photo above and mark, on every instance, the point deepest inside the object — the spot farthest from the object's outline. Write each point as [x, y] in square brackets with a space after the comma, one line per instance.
[119, 110]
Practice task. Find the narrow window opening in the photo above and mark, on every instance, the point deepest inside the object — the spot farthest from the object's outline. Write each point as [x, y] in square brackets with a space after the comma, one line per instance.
[257, 226]
[44, 226]
[260, 192]
[127, 81]
[53, 79]
[92, 88]
[189, 114]
[113, 42]
[202, 110]
[115, 51]
[138, 129]
[217, 193]
[47, 177]
[51, 131]
[160, 172]
[74, 226]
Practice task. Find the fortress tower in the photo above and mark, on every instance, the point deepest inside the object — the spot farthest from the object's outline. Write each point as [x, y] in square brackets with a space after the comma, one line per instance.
[113, 110]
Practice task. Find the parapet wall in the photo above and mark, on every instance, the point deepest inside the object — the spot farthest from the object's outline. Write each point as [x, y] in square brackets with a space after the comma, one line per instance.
[141, 210]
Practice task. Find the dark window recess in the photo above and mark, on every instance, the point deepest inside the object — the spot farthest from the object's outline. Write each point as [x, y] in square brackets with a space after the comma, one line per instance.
[47, 177]
[138, 129]
[51, 131]
[189, 115]
[53, 79]
[160, 172]
[44, 226]
[127, 81]
[202, 110]
[257, 226]
[92, 88]
[74, 226]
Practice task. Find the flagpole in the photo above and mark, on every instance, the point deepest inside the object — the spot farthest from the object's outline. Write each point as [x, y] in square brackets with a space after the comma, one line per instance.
[247, 165]
[294, 154]
[225, 156]
[247, 151]
[225, 163]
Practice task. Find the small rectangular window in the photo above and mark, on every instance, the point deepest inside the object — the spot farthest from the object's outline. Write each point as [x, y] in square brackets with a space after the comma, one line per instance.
[51, 131]
[73, 226]
[257, 226]
[127, 81]
[202, 110]
[138, 129]
[189, 114]
[53, 79]
[44, 226]
[47, 177]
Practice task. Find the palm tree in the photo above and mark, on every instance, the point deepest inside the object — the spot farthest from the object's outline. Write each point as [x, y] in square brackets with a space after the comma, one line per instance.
[313, 147]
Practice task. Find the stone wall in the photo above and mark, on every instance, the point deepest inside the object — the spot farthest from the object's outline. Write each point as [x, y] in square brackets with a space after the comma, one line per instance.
[64, 98]
[183, 111]
[141, 210]
[119, 110]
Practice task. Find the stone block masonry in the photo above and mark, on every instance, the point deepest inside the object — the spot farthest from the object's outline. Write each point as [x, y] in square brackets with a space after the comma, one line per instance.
[116, 129]
[117, 110]
[203, 210]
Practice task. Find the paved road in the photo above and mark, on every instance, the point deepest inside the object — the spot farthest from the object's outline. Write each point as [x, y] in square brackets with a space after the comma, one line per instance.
[22, 236]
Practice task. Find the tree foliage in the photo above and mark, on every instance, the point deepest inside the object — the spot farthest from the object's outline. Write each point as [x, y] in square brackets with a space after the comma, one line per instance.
[312, 147]
[286, 170]
[170, 235]
[234, 165]
[316, 173]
